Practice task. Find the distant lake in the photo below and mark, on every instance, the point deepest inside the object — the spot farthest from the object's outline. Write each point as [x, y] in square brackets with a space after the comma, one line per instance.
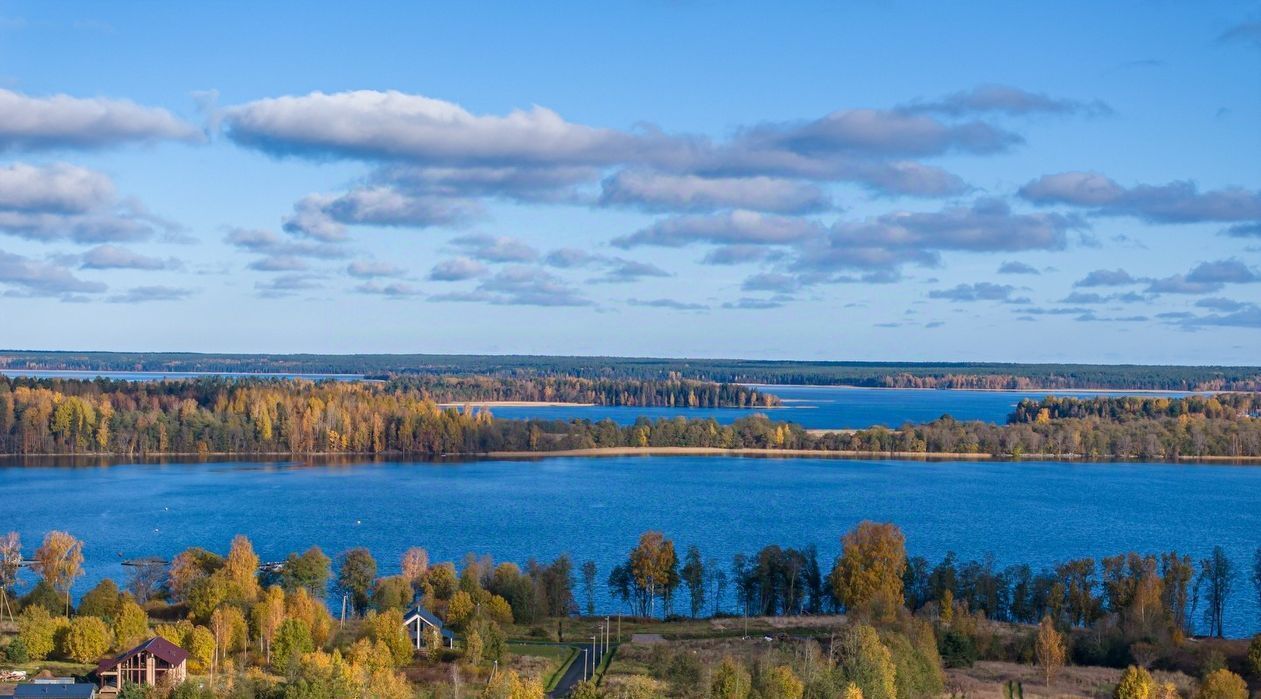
[594, 508]
[826, 407]
[812, 407]
[165, 375]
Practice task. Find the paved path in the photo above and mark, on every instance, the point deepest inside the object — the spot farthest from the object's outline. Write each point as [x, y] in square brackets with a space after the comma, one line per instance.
[579, 669]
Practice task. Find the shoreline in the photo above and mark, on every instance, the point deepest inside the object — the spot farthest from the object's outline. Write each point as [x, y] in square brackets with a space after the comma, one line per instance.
[513, 404]
[827, 453]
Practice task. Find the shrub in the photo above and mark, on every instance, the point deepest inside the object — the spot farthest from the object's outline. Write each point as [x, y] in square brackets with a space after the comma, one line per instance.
[1222, 684]
[87, 639]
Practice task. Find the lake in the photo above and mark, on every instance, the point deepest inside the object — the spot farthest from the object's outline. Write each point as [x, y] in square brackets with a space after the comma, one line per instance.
[595, 508]
[827, 407]
[812, 407]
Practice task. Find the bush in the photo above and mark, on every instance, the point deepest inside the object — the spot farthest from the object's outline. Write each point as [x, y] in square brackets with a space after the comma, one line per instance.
[1254, 657]
[1222, 684]
[956, 649]
[87, 639]
[16, 652]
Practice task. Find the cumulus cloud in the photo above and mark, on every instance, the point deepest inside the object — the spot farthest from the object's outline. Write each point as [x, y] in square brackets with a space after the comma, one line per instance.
[1006, 100]
[671, 304]
[68, 202]
[421, 144]
[729, 228]
[756, 304]
[27, 277]
[394, 126]
[620, 270]
[567, 258]
[980, 291]
[1175, 202]
[393, 290]
[146, 294]
[1016, 267]
[1221, 304]
[325, 216]
[520, 285]
[457, 269]
[280, 253]
[491, 248]
[737, 254]
[772, 281]
[287, 285]
[654, 191]
[1230, 271]
[1107, 277]
[114, 257]
[370, 269]
[61, 121]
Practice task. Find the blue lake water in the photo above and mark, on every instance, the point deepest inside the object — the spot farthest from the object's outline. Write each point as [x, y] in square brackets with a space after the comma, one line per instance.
[826, 407]
[813, 407]
[595, 508]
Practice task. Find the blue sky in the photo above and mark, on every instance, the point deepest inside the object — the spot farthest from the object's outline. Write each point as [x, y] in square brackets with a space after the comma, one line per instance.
[914, 181]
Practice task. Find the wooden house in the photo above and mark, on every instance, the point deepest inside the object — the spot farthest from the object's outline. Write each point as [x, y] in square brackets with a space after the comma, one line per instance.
[418, 619]
[156, 662]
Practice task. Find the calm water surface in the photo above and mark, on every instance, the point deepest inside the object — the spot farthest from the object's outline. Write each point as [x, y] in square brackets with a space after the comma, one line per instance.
[825, 407]
[594, 508]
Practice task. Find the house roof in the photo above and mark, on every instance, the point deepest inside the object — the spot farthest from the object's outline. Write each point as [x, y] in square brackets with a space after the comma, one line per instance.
[161, 648]
[50, 690]
[429, 618]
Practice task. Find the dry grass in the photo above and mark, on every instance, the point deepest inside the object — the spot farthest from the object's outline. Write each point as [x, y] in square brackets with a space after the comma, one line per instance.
[985, 680]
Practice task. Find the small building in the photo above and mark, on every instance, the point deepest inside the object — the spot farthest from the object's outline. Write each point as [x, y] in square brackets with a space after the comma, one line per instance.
[155, 662]
[418, 619]
[67, 689]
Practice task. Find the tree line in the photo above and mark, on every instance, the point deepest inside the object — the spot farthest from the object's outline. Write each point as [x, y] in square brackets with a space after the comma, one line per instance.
[235, 416]
[969, 375]
[264, 630]
[669, 393]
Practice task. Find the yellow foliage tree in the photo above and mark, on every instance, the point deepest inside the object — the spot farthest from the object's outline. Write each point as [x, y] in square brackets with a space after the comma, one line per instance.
[868, 574]
[1049, 649]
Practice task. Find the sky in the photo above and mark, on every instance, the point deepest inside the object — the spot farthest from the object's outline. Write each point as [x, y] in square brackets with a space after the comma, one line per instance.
[930, 181]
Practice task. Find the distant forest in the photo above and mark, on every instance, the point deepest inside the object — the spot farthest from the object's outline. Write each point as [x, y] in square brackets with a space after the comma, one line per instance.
[871, 374]
[275, 416]
[671, 393]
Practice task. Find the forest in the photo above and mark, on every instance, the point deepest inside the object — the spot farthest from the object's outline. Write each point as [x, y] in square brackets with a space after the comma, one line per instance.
[277, 416]
[670, 393]
[264, 630]
[942, 375]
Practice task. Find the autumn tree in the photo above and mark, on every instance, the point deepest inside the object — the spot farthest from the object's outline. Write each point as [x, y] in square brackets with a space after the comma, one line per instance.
[1222, 684]
[1136, 683]
[59, 560]
[356, 571]
[1214, 585]
[266, 616]
[87, 639]
[730, 680]
[694, 578]
[240, 570]
[866, 662]
[1049, 649]
[38, 630]
[415, 564]
[130, 624]
[309, 570]
[867, 577]
[293, 639]
[653, 565]
[779, 682]
[10, 564]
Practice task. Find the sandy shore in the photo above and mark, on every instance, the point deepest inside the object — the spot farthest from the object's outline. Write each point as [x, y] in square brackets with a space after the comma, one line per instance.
[514, 404]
